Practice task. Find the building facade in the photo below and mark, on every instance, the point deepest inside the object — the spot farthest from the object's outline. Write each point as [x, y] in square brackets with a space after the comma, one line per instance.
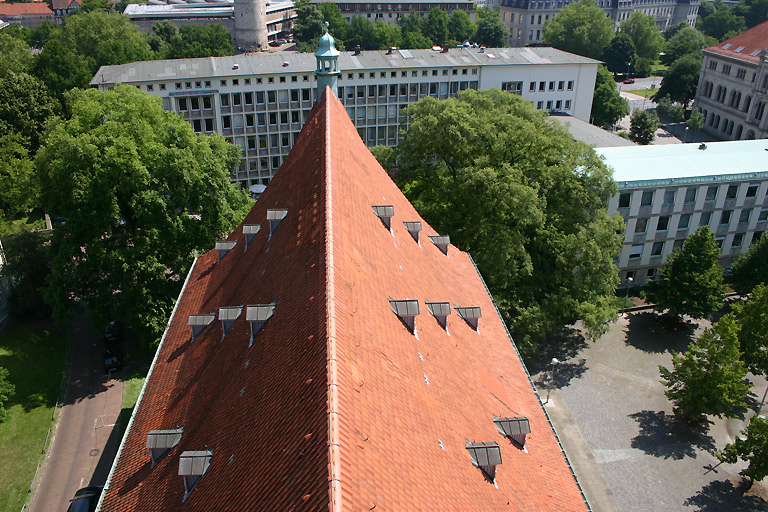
[260, 101]
[29, 15]
[733, 87]
[391, 12]
[526, 18]
[667, 192]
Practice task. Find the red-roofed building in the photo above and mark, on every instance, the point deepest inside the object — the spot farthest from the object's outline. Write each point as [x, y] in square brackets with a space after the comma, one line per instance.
[30, 14]
[733, 86]
[309, 364]
[63, 7]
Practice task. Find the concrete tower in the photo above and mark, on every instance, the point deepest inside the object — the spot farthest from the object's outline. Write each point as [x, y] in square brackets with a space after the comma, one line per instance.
[327, 72]
[251, 24]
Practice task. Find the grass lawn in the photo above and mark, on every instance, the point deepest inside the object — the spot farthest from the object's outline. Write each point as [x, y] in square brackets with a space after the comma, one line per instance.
[658, 69]
[33, 352]
[138, 360]
[34, 220]
[646, 93]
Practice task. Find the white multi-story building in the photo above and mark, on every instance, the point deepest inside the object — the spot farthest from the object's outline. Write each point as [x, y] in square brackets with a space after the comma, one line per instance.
[733, 86]
[259, 101]
[666, 192]
[392, 12]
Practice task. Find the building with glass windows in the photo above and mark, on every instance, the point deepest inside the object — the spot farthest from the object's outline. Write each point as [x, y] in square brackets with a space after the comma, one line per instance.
[666, 192]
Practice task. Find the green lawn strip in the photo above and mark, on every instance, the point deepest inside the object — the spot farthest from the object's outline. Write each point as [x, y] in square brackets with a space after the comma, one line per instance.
[33, 353]
[138, 360]
[34, 220]
[646, 93]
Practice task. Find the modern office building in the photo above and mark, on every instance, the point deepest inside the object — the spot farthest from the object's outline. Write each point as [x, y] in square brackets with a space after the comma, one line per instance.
[733, 86]
[666, 192]
[391, 12]
[260, 101]
[336, 353]
[526, 18]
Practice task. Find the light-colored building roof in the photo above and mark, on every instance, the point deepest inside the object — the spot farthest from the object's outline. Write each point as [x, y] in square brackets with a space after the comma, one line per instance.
[745, 46]
[587, 133]
[686, 163]
[294, 62]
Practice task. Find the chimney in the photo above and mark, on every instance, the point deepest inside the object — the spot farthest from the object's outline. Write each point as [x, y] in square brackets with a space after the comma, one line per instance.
[445, 48]
[358, 49]
[160, 442]
[192, 466]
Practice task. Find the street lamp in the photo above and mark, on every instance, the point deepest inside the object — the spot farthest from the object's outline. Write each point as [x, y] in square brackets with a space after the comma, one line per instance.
[685, 137]
[552, 365]
[630, 279]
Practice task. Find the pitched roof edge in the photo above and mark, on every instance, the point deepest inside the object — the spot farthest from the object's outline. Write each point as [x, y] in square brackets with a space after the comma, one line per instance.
[530, 381]
[144, 387]
[334, 449]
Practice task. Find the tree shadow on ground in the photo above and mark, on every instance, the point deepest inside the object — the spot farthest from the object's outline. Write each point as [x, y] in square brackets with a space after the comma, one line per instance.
[562, 345]
[664, 435]
[722, 495]
[653, 333]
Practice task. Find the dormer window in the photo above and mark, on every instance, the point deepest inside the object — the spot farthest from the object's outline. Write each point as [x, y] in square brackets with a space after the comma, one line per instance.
[192, 466]
[200, 322]
[385, 214]
[440, 310]
[442, 242]
[406, 310]
[514, 428]
[222, 248]
[470, 315]
[413, 228]
[228, 315]
[160, 442]
[485, 456]
[250, 231]
[275, 217]
[258, 315]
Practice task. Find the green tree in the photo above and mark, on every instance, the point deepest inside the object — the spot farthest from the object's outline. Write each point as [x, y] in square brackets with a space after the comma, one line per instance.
[361, 32]
[15, 56]
[337, 25]
[674, 29]
[750, 269]
[126, 176]
[663, 105]
[523, 197]
[752, 447]
[620, 56]
[17, 177]
[21, 33]
[460, 26]
[6, 390]
[387, 35]
[28, 266]
[691, 282]
[308, 26]
[416, 40]
[581, 28]
[62, 69]
[721, 23]
[677, 113]
[642, 126]
[200, 41]
[492, 32]
[685, 40]
[607, 104]
[696, 121]
[93, 5]
[385, 155]
[753, 329]
[709, 377]
[436, 26]
[681, 79]
[40, 35]
[25, 107]
[754, 12]
[645, 35]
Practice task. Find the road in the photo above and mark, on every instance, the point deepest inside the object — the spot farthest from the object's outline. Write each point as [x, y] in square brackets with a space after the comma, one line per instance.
[85, 440]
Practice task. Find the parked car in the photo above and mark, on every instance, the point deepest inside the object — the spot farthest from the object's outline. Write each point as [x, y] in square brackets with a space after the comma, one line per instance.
[111, 333]
[275, 43]
[85, 500]
[629, 80]
[112, 360]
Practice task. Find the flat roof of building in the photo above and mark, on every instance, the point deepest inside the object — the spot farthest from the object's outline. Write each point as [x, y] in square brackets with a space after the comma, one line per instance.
[587, 133]
[248, 64]
[644, 166]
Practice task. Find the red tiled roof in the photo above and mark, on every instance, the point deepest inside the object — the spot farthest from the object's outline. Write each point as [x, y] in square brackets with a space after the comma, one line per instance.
[752, 41]
[337, 405]
[21, 9]
[64, 4]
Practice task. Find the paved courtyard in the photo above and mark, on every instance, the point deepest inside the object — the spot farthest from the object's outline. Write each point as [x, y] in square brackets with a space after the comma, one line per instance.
[628, 450]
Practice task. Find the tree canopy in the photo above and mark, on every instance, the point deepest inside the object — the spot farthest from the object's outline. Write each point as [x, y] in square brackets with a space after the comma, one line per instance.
[25, 106]
[189, 41]
[644, 33]
[17, 177]
[685, 40]
[6, 390]
[751, 446]
[681, 79]
[750, 268]
[15, 56]
[138, 192]
[491, 31]
[607, 104]
[581, 28]
[620, 55]
[691, 282]
[524, 198]
[642, 126]
[752, 317]
[722, 25]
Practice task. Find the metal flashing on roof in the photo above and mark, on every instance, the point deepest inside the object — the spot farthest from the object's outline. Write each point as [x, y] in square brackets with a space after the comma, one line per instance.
[228, 315]
[258, 315]
[275, 217]
[200, 322]
[516, 428]
[250, 231]
[160, 442]
[485, 456]
[222, 248]
[440, 310]
[413, 228]
[471, 315]
[385, 213]
[442, 242]
[406, 310]
[193, 465]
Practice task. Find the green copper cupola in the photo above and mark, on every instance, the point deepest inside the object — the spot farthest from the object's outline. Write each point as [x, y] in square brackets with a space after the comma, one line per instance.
[327, 72]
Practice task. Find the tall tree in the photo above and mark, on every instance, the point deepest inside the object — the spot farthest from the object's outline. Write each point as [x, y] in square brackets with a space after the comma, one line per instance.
[607, 104]
[620, 55]
[308, 26]
[753, 329]
[681, 79]
[28, 266]
[337, 25]
[581, 28]
[492, 32]
[642, 126]
[436, 26]
[751, 446]
[684, 41]
[645, 35]
[17, 177]
[750, 269]
[460, 26]
[361, 32]
[722, 24]
[696, 121]
[15, 56]
[62, 69]
[25, 107]
[709, 377]
[201, 41]
[523, 197]
[126, 177]
[691, 282]
[387, 35]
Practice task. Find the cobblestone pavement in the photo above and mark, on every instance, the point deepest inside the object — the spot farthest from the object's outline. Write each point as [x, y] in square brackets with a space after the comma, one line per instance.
[649, 460]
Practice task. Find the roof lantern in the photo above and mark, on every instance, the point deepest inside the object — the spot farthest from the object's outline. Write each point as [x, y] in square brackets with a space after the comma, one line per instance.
[193, 465]
[200, 322]
[406, 310]
[160, 442]
[441, 241]
[327, 57]
[228, 315]
[222, 248]
[250, 231]
[413, 228]
[385, 213]
[471, 315]
[440, 310]
[485, 456]
[258, 315]
[514, 428]
[275, 217]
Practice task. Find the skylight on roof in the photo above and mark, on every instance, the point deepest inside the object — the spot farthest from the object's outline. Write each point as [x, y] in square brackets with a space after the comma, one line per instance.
[440, 310]
[485, 456]
[471, 315]
[192, 466]
[385, 213]
[228, 315]
[250, 231]
[160, 442]
[413, 228]
[726, 46]
[442, 242]
[200, 322]
[406, 310]
[516, 428]
[737, 50]
[258, 315]
[223, 248]
[755, 53]
[275, 217]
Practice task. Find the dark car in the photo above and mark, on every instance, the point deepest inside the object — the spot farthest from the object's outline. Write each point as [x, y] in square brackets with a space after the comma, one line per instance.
[275, 43]
[629, 81]
[111, 333]
[85, 500]
[112, 360]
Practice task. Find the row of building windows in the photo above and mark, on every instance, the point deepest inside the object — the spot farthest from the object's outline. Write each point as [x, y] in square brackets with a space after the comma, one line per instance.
[646, 199]
[705, 219]
[657, 248]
